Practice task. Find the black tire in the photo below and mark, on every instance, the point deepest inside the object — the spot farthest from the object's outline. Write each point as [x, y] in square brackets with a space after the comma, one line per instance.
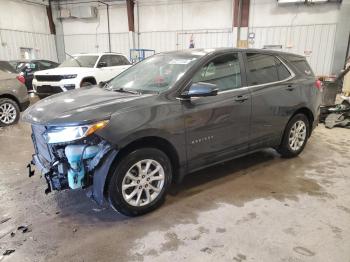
[42, 96]
[285, 148]
[86, 84]
[115, 193]
[4, 102]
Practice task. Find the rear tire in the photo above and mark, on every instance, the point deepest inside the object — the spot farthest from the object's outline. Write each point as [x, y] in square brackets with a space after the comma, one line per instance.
[140, 182]
[9, 112]
[295, 136]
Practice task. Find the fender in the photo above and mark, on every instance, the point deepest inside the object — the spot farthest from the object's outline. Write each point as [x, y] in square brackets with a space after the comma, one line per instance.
[96, 191]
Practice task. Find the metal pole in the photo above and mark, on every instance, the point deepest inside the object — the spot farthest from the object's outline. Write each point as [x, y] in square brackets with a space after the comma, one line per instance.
[239, 22]
[109, 32]
[347, 52]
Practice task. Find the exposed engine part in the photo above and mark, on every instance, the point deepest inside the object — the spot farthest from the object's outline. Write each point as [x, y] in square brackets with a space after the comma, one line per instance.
[76, 154]
[68, 165]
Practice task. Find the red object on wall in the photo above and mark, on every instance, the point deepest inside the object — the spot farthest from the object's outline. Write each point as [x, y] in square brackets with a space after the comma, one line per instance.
[244, 15]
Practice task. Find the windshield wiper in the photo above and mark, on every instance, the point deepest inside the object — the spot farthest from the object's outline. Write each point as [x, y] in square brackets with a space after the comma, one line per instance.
[122, 90]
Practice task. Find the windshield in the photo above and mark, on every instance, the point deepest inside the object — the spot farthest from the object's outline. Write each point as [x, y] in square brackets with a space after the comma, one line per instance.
[80, 61]
[156, 74]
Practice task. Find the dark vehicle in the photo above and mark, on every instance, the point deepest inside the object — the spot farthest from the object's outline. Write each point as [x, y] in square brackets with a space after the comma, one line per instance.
[13, 95]
[169, 115]
[27, 68]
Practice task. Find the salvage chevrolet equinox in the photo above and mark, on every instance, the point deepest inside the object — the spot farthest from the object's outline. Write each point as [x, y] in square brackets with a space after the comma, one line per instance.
[174, 113]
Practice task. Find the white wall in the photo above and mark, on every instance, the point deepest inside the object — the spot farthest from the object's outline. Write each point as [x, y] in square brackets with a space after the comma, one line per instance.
[306, 30]
[25, 25]
[90, 35]
[177, 15]
[163, 25]
[169, 25]
[269, 13]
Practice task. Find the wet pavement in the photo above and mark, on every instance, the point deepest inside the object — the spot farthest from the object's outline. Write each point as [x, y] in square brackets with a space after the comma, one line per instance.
[256, 208]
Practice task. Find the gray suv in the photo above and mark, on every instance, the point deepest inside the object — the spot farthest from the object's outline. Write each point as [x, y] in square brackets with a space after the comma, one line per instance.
[169, 115]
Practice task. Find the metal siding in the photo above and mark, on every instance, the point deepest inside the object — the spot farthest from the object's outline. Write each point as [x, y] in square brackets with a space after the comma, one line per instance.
[43, 44]
[88, 43]
[295, 39]
[178, 40]
[299, 38]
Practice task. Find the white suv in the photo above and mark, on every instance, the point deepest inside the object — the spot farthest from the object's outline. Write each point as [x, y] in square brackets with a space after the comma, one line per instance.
[79, 71]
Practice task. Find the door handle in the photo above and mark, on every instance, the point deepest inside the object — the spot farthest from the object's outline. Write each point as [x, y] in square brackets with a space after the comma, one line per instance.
[290, 88]
[241, 99]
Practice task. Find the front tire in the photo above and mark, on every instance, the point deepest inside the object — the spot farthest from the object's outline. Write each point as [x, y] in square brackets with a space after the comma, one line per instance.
[9, 112]
[140, 182]
[295, 136]
[86, 84]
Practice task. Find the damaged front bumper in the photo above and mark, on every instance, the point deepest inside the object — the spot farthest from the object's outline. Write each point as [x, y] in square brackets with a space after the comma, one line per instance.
[82, 164]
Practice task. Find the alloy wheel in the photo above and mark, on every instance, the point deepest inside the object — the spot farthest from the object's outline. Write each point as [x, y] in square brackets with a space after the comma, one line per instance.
[8, 113]
[297, 135]
[143, 182]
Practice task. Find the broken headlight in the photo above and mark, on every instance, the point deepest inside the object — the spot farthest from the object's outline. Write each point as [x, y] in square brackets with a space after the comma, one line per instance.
[63, 134]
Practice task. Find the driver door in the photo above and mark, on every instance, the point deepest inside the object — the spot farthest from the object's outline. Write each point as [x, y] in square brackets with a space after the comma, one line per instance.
[218, 127]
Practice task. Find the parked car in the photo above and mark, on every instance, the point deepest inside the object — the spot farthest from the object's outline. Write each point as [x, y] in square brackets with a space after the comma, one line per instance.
[28, 67]
[169, 115]
[13, 95]
[79, 71]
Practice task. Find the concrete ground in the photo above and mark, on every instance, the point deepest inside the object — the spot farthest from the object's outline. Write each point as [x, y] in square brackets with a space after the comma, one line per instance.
[256, 208]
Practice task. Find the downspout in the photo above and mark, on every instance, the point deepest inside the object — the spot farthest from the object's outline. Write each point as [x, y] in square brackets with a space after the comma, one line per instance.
[239, 22]
[138, 24]
[131, 21]
[109, 30]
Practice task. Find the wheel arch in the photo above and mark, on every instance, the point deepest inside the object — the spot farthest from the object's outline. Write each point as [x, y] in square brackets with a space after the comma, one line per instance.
[90, 79]
[149, 141]
[308, 113]
[12, 97]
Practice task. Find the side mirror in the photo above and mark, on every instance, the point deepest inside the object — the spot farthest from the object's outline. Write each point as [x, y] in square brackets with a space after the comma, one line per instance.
[200, 89]
[102, 84]
[102, 64]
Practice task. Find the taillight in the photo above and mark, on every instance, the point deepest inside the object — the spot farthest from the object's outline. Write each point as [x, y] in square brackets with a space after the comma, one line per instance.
[318, 84]
[21, 79]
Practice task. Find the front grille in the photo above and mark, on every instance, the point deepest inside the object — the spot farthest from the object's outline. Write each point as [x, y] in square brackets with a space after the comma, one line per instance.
[40, 145]
[49, 89]
[48, 78]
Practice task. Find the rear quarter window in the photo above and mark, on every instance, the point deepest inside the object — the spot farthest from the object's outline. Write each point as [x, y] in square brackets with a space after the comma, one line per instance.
[283, 72]
[300, 64]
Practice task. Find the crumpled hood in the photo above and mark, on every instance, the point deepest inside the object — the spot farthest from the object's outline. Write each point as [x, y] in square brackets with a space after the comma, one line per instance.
[81, 106]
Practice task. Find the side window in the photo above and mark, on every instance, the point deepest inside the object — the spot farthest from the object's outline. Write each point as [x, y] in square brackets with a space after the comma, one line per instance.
[300, 64]
[282, 71]
[106, 59]
[261, 69]
[118, 60]
[223, 71]
[124, 60]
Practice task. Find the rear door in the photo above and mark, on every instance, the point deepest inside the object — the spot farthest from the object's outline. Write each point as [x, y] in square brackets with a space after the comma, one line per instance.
[118, 63]
[274, 97]
[104, 73]
[115, 65]
[217, 127]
